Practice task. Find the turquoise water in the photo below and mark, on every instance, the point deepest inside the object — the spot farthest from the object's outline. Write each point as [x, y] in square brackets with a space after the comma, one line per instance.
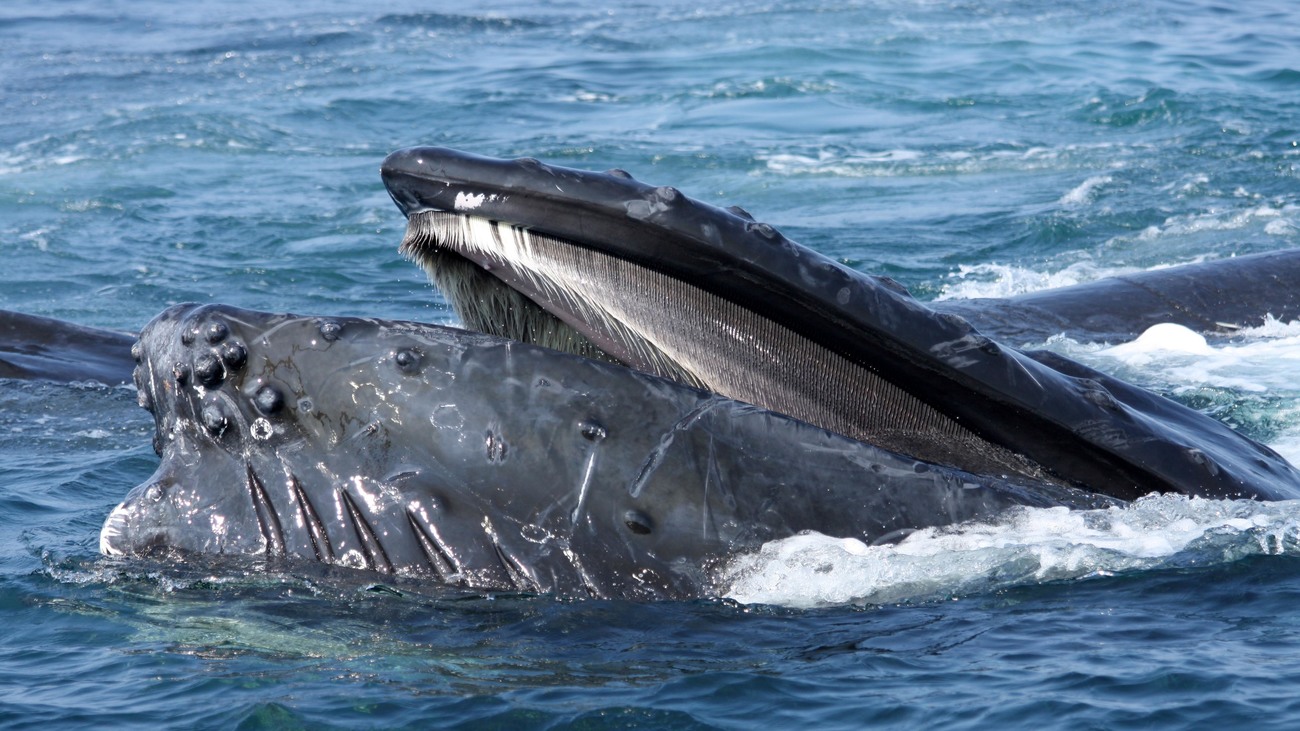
[154, 152]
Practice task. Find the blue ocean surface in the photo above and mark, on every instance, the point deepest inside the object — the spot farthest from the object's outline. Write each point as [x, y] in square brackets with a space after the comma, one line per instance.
[158, 152]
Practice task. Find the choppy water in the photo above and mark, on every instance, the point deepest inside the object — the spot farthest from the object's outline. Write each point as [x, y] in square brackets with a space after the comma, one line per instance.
[154, 152]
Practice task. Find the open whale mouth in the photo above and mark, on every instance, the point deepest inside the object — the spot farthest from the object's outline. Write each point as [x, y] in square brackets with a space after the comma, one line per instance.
[604, 266]
[510, 281]
[520, 282]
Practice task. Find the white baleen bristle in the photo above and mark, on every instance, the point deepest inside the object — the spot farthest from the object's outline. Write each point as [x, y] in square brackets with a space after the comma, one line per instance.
[446, 245]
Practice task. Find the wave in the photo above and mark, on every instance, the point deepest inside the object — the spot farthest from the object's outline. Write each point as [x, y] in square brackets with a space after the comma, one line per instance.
[835, 161]
[973, 281]
[1086, 191]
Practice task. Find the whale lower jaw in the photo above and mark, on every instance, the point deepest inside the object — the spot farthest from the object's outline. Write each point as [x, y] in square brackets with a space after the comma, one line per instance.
[441, 454]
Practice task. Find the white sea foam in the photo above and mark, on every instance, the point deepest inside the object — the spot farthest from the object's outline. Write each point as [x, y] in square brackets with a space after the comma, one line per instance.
[1033, 545]
[1023, 546]
[1248, 378]
[849, 163]
[1085, 191]
[39, 238]
[1280, 227]
[1005, 280]
[1259, 360]
[824, 162]
[1165, 337]
[1275, 219]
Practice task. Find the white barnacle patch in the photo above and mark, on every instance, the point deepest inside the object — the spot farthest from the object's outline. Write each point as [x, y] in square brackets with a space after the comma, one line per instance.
[469, 201]
[261, 429]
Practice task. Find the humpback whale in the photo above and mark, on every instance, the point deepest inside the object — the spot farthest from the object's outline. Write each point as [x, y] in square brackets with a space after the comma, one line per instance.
[655, 384]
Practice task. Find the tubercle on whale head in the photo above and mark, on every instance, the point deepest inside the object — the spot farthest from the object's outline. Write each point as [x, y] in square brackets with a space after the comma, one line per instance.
[191, 373]
[218, 373]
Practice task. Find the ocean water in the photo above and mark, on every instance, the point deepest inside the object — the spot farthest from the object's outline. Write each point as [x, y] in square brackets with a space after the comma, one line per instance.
[155, 152]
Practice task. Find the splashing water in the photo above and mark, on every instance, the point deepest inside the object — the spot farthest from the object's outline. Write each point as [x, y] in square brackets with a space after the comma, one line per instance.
[1022, 546]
